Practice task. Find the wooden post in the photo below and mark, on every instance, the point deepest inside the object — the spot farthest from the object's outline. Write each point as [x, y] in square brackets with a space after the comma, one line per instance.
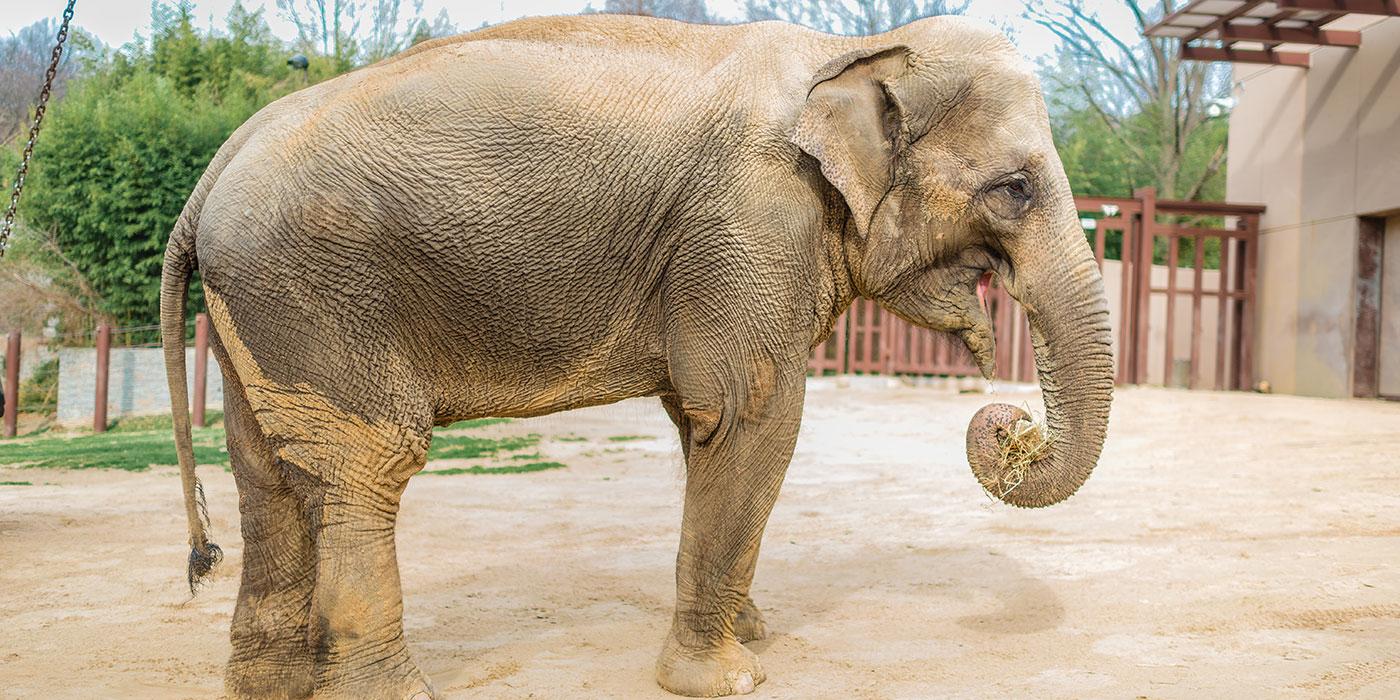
[887, 341]
[1127, 316]
[1197, 291]
[1147, 198]
[104, 358]
[1223, 288]
[12, 385]
[1167, 357]
[1251, 264]
[201, 366]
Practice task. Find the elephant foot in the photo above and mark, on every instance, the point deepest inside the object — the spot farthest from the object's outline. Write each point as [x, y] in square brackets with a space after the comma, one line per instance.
[727, 669]
[394, 679]
[749, 625]
[290, 677]
[274, 686]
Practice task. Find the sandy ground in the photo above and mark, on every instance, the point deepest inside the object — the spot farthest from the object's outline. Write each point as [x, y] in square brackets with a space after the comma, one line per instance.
[1229, 545]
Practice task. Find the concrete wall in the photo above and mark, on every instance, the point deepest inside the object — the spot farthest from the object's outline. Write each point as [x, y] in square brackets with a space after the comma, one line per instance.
[136, 387]
[1320, 147]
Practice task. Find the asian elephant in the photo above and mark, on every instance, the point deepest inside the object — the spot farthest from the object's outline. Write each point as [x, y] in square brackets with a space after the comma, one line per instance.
[563, 212]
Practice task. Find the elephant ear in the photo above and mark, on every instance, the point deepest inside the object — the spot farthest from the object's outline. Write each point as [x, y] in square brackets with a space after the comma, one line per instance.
[853, 123]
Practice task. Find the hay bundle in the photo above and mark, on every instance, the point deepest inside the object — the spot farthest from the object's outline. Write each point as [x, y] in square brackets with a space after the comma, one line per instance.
[1004, 444]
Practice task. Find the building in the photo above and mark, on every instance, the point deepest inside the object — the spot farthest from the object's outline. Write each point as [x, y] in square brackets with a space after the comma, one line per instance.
[1315, 136]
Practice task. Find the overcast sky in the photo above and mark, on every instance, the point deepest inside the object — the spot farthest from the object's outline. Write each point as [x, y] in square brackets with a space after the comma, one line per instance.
[116, 21]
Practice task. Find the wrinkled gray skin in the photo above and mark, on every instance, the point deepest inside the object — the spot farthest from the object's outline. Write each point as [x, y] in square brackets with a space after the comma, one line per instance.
[564, 212]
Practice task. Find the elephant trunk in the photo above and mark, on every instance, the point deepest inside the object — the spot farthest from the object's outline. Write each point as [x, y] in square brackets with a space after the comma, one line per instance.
[1057, 280]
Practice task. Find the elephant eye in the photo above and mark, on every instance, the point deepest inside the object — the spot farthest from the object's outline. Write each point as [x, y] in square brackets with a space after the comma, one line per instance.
[1010, 197]
[1017, 187]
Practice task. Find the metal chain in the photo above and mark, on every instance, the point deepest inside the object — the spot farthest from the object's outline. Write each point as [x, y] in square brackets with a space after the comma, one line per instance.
[9, 223]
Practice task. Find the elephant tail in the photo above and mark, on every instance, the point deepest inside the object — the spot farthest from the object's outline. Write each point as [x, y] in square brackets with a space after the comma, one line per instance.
[174, 283]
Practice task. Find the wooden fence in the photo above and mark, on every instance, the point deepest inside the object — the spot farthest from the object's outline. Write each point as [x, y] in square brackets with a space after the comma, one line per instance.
[1145, 301]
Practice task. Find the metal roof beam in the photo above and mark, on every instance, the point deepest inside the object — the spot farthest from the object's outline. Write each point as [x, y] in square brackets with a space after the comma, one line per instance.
[1360, 7]
[1277, 58]
[1284, 35]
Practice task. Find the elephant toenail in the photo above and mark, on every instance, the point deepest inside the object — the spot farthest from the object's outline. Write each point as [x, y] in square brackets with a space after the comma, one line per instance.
[744, 685]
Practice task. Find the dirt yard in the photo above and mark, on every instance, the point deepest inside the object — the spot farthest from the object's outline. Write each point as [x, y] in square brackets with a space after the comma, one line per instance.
[1229, 545]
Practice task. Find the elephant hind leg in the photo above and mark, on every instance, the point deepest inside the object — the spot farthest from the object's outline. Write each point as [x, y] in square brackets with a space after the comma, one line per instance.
[356, 470]
[270, 658]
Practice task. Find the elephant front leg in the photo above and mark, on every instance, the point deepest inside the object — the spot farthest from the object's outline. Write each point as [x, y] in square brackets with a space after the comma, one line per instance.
[749, 625]
[736, 460]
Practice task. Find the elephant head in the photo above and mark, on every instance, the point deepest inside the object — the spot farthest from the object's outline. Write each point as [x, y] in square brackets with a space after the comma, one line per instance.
[940, 145]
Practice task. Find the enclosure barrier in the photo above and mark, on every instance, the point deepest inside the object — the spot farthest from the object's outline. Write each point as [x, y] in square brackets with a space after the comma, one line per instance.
[102, 363]
[1145, 298]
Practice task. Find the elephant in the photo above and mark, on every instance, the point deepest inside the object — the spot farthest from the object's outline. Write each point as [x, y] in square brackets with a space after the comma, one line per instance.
[563, 212]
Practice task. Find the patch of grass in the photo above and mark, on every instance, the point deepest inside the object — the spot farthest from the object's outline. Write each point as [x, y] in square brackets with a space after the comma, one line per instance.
[507, 469]
[139, 424]
[476, 423]
[16, 483]
[137, 443]
[128, 451]
[571, 438]
[628, 438]
[469, 447]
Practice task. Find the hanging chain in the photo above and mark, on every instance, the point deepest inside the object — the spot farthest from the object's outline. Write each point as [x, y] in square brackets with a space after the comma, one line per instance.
[34, 129]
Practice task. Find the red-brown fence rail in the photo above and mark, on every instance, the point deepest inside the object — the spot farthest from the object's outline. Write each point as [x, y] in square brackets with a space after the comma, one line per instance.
[1179, 326]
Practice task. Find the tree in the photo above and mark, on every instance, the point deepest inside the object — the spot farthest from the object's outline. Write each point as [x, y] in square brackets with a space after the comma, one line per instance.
[24, 57]
[126, 146]
[850, 17]
[350, 33]
[683, 10]
[1154, 108]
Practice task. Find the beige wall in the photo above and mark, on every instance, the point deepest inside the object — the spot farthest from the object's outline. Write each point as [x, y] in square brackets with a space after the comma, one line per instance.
[1319, 147]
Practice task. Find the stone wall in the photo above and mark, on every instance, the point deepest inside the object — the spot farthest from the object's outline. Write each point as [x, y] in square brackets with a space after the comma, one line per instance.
[136, 387]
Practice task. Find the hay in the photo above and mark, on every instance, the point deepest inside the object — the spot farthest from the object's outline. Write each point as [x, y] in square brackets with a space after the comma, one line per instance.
[1022, 445]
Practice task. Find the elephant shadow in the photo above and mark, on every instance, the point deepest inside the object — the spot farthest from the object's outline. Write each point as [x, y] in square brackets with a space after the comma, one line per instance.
[939, 584]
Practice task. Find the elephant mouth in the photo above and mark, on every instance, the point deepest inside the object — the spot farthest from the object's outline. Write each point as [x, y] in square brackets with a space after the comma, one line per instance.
[984, 288]
[952, 296]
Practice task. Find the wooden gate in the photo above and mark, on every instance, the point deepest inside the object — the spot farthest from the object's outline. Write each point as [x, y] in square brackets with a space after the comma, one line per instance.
[1139, 244]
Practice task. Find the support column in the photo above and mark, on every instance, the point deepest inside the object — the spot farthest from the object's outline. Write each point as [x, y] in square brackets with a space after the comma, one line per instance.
[12, 349]
[104, 357]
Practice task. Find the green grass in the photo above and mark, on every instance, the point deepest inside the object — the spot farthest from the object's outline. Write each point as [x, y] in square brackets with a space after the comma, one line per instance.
[141, 424]
[628, 438]
[471, 447]
[125, 450]
[571, 438]
[136, 444]
[16, 483]
[508, 469]
[476, 423]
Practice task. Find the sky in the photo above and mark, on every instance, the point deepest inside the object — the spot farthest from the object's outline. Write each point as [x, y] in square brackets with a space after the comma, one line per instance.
[116, 21]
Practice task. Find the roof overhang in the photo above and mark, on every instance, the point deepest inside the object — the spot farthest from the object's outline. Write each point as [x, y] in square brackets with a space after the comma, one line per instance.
[1275, 32]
